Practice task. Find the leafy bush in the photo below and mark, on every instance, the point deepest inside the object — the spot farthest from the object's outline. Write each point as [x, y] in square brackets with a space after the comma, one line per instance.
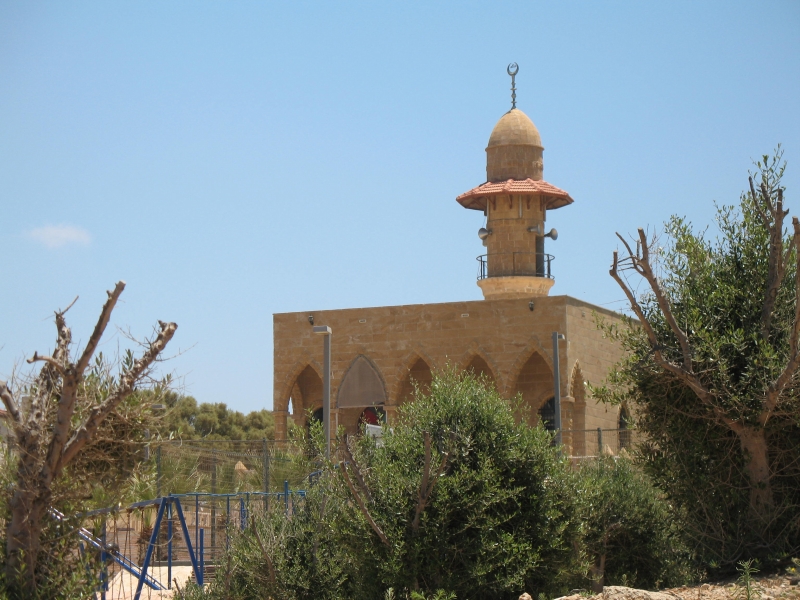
[495, 515]
[630, 531]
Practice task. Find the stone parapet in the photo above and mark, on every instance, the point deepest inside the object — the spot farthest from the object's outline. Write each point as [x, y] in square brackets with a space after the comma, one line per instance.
[510, 288]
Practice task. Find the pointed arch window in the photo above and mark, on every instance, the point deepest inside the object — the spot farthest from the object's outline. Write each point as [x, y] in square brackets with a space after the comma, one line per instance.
[362, 386]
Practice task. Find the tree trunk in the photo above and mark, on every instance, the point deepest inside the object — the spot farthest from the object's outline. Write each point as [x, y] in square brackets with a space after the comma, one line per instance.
[599, 574]
[756, 451]
[23, 539]
[24, 528]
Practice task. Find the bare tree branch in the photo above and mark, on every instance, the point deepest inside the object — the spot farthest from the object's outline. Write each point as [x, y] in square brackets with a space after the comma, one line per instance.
[776, 265]
[9, 402]
[70, 381]
[663, 302]
[126, 385]
[70, 305]
[48, 359]
[627, 247]
[777, 386]
[363, 508]
[356, 469]
[99, 328]
[49, 377]
[688, 377]
[764, 218]
[63, 338]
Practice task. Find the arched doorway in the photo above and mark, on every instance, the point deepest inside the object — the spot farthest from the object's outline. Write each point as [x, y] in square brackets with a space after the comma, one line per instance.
[361, 388]
[534, 382]
[306, 396]
[578, 393]
[419, 373]
[547, 415]
[481, 369]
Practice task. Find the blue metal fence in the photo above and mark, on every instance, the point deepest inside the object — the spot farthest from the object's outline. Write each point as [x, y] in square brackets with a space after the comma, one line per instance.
[178, 534]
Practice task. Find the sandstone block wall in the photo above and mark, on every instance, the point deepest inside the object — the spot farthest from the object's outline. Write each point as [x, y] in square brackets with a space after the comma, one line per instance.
[502, 338]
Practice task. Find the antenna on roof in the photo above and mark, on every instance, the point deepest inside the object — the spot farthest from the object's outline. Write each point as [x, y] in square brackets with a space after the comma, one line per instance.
[512, 70]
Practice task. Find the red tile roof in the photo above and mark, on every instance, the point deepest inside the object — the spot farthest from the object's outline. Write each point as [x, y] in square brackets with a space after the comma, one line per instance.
[476, 197]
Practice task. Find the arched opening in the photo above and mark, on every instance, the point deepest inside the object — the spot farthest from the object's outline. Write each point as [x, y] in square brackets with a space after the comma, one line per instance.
[481, 369]
[419, 373]
[535, 381]
[547, 415]
[578, 392]
[372, 415]
[361, 388]
[306, 396]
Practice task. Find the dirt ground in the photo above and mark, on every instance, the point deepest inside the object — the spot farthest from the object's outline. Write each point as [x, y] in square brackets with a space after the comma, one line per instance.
[770, 588]
[774, 587]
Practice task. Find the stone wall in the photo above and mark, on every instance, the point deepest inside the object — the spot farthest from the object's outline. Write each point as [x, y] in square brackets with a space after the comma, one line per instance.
[502, 338]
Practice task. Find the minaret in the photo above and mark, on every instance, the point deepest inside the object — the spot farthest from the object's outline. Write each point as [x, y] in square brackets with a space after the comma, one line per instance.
[515, 200]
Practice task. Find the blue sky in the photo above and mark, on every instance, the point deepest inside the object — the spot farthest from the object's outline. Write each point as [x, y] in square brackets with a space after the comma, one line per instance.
[231, 160]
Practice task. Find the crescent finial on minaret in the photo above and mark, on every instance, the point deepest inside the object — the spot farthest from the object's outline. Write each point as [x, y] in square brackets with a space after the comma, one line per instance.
[512, 70]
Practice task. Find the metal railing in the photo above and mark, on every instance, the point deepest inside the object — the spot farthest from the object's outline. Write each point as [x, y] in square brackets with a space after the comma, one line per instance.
[505, 264]
[146, 543]
[587, 443]
[225, 466]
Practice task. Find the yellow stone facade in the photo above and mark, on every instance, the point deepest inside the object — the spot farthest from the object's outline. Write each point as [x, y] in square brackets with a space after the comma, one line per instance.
[378, 353]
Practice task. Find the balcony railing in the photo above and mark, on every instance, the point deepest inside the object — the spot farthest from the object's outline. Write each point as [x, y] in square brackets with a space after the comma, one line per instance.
[587, 443]
[510, 264]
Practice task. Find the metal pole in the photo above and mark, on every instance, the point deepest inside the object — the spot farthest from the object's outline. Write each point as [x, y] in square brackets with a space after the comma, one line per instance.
[196, 519]
[158, 471]
[202, 571]
[213, 500]
[326, 385]
[169, 548]
[103, 559]
[326, 395]
[266, 467]
[557, 386]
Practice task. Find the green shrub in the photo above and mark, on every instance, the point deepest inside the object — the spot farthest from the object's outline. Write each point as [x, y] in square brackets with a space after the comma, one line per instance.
[500, 518]
[631, 532]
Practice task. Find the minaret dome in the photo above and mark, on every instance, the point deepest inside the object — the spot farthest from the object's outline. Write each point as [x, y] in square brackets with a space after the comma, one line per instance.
[515, 149]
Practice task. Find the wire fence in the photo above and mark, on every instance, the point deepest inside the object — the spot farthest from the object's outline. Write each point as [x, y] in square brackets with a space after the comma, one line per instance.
[590, 443]
[226, 467]
[143, 549]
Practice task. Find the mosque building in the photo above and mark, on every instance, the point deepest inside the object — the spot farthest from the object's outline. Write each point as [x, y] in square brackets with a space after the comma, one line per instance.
[378, 353]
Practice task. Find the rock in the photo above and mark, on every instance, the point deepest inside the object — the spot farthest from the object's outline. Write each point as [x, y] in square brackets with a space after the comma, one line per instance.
[618, 592]
[525, 596]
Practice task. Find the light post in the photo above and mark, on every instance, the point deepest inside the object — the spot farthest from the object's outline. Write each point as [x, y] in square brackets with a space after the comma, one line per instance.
[557, 385]
[324, 330]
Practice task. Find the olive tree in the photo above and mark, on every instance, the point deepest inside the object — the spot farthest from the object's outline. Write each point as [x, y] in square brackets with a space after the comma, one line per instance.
[54, 420]
[712, 371]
